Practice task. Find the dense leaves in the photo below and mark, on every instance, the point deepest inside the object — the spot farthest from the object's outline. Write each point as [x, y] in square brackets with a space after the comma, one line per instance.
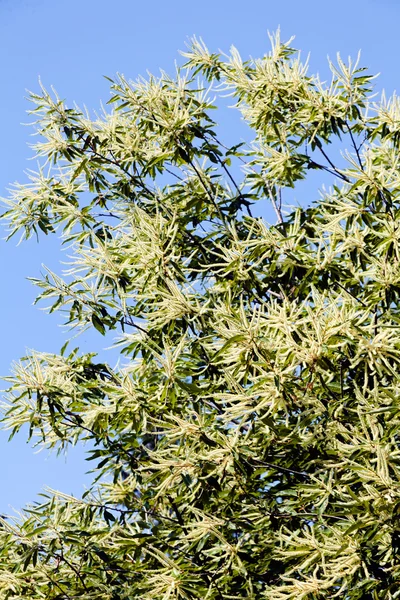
[248, 444]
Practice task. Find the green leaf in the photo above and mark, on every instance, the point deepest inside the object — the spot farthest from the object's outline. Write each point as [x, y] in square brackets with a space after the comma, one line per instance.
[192, 388]
[98, 324]
[232, 341]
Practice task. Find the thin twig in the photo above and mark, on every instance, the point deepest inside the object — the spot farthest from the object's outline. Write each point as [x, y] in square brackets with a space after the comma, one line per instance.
[355, 147]
[351, 294]
[225, 168]
[279, 468]
[276, 208]
[335, 169]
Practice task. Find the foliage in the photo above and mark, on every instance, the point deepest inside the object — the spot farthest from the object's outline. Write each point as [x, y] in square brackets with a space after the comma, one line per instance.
[248, 444]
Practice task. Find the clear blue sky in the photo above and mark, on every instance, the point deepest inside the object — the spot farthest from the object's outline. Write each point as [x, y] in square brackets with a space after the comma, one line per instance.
[71, 45]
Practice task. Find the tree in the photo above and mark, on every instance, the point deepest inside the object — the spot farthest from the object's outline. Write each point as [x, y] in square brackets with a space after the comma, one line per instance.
[248, 447]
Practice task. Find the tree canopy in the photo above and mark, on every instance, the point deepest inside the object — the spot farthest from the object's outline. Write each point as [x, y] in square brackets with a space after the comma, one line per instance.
[247, 443]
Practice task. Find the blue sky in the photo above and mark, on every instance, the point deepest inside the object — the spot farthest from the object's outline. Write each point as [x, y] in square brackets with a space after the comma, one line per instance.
[71, 45]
